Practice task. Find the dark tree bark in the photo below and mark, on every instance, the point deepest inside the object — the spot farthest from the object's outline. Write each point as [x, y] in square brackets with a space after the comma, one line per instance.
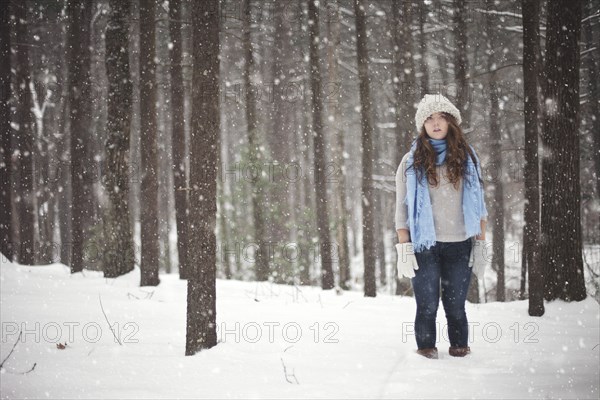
[254, 152]
[461, 66]
[339, 184]
[204, 146]
[423, 47]
[148, 131]
[63, 147]
[461, 61]
[25, 200]
[592, 65]
[404, 94]
[78, 43]
[6, 151]
[495, 157]
[118, 235]
[178, 136]
[325, 244]
[306, 203]
[280, 136]
[367, 150]
[561, 191]
[531, 230]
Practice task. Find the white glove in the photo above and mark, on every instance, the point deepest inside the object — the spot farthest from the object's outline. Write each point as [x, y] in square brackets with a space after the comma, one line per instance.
[477, 261]
[407, 262]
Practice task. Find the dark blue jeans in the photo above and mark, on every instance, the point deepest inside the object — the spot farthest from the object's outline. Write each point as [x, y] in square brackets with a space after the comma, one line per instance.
[447, 262]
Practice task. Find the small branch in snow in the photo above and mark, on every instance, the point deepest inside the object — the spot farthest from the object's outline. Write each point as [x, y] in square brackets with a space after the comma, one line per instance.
[256, 293]
[107, 321]
[298, 291]
[13, 348]
[148, 294]
[287, 376]
[11, 351]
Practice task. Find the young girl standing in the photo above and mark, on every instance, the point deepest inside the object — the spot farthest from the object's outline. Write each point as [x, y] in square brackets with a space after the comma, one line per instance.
[440, 220]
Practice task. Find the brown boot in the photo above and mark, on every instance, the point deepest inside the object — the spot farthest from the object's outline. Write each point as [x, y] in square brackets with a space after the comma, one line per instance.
[429, 353]
[459, 351]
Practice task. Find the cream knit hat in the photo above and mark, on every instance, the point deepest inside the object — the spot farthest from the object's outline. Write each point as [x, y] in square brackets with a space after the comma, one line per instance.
[433, 103]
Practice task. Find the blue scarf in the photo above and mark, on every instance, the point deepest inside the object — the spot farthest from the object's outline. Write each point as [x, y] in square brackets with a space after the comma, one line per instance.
[420, 213]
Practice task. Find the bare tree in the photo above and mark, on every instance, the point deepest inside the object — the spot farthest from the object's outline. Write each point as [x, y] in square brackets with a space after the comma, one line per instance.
[592, 65]
[5, 135]
[461, 61]
[325, 245]
[404, 81]
[149, 190]
[178, 135]
[24, 178]
[531, 231]
[495, 155]
[367, 203]
[254, 152]
[561, 189]
[461, 66]
[280, 134]
[335, 115]
[78, 44]
[118, 235]
[204, 146]
[422, 15]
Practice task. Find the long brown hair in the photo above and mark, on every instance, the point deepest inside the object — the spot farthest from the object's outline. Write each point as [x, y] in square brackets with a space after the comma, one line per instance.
[456, 154]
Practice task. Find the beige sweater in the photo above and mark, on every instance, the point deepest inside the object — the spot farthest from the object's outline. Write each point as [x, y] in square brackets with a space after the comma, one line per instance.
[446, 204]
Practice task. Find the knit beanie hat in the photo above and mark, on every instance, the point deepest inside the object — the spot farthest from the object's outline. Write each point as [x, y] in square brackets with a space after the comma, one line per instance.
[432, 103]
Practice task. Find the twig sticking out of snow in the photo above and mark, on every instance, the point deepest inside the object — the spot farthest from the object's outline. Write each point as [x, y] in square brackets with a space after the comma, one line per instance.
[288, 376]
[13, 348]
[11, 351]
[107, 321]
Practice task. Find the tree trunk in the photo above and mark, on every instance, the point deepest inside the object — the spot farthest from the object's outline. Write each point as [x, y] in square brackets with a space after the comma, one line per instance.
[254, 152]
[367, 197]
[461, 61]
[461, 66]
[63, 150]
[423, 48]
[204, 146]
[118, 235]
[325, 245]
[78, 43]
[335, 115]
[592, 62]
[531, 230]
[306, 221]
[25, 143]
[496, 158]
[404, 97]
[148, 131]
[561, 194]
[178, 136]
[6, 150]
[280, 137]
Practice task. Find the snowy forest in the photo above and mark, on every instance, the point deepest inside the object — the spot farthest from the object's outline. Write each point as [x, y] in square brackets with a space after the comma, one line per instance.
[219, 147]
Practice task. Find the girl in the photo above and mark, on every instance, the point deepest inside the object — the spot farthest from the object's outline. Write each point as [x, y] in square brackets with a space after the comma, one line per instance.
[440, 218]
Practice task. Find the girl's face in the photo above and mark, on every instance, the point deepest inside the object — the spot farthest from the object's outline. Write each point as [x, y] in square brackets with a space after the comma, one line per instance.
[436, 126]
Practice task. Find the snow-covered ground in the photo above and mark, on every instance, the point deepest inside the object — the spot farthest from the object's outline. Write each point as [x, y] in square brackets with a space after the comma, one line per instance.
[276, 342]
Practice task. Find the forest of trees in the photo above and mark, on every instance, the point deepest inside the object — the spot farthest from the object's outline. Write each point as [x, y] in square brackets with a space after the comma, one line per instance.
[258, 139]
